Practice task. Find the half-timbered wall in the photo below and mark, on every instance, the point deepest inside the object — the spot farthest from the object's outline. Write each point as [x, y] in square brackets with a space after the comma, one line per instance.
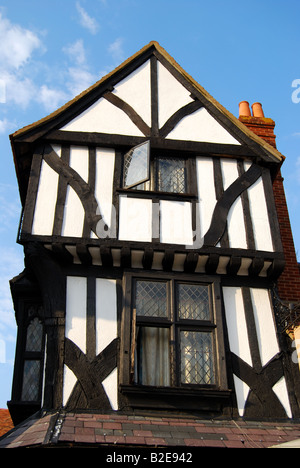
[91, 325]
[253, 341]
[222, 227]
[59, 209]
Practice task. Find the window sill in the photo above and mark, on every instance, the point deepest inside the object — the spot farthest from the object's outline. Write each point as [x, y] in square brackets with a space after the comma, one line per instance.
[183, 398]
[155, 194]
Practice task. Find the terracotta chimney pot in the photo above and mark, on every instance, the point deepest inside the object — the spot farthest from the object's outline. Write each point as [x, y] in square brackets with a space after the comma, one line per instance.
[244, 109]
[257, 110]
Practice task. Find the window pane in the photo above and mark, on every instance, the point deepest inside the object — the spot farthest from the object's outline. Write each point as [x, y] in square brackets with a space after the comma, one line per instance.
[170, 175]
[196, 358]
[31, 378]
[153, 356]
[34, 335]
[193, 302]
[136, 165]
[151, 299]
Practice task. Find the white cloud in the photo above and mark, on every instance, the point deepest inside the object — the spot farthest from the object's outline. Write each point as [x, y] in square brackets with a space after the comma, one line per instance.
[79, 80]
[17, 44]
[87, 21]
[20, 90]
[6, 126]
[78, 76]
[50, 98]
[76, 52]
[116, 49]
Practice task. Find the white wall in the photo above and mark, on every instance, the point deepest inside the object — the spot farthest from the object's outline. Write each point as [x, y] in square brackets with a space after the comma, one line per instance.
[73, 220]
[46, 199]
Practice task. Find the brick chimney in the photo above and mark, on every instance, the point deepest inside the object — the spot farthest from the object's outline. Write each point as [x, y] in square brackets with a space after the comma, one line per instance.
[289, 281]
[257, 122]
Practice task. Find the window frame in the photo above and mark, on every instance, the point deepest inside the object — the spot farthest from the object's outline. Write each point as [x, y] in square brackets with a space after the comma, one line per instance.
[29, 355]
[139, 394]
[155, 154]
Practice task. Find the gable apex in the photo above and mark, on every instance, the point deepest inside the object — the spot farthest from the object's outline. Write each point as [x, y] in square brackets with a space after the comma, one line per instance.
[139, 119]
[88, 97]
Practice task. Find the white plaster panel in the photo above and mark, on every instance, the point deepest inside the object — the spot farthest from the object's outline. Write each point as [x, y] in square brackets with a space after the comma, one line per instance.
[176, 222]
[76, 311]
[106, 313]
[110, 385]
[201, 126]
[103, 117]
[69, 380]
[45, 202]
[260, 217]
[281, 392]
[236, 323]
[105, 165]
[135, 219]
[242, 392]
[206, 192]
[171, 95]
[265, 326]
[74, 211]
[136, 91]
[235, 218]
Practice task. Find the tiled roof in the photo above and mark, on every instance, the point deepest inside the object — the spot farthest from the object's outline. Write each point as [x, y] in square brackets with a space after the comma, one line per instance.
[123, 430]
[6, 423]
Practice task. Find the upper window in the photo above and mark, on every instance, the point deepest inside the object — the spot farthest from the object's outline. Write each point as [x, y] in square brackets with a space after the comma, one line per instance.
[158, 173]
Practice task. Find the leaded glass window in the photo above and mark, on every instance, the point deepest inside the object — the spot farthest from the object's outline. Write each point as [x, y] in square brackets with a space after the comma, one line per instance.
[34, 335]
[151, 299]
[196, 353]
[33, 356]
[136, 168]
[193, 302]
[155, 173]
[173, 333]
[31, 380]
[170, 175]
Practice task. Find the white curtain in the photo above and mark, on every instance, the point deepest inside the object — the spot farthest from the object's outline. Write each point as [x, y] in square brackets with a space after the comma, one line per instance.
[154, 356]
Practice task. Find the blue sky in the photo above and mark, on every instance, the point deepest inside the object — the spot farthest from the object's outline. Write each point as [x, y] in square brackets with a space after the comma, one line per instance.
[52, 50]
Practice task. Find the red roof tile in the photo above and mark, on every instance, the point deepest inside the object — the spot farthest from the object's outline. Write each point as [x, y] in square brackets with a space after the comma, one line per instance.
[121, 430]
[6, 423]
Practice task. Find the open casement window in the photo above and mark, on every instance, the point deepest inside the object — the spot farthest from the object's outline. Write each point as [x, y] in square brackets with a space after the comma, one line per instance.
[136, 168]
[159, 173]
[172, 343]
